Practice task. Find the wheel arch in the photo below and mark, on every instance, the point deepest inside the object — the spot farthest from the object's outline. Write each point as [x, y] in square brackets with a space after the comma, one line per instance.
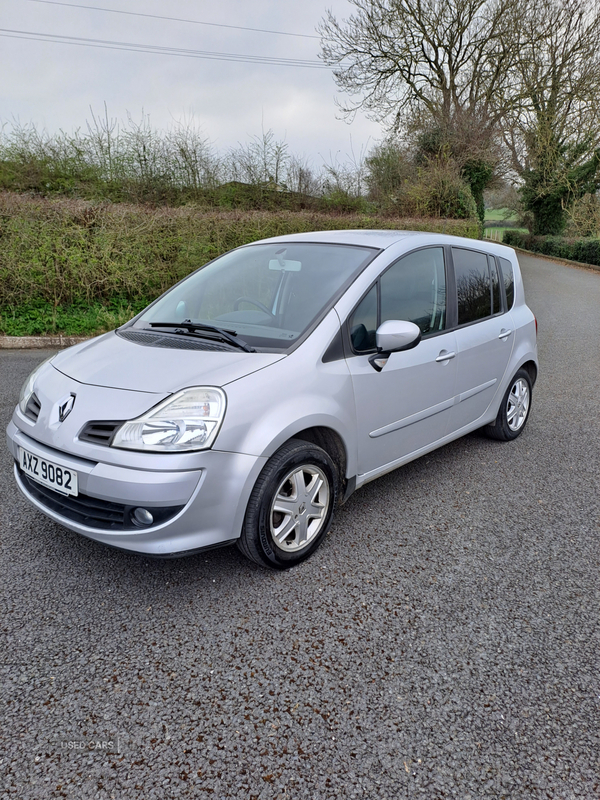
[532, 370]
[330, 441]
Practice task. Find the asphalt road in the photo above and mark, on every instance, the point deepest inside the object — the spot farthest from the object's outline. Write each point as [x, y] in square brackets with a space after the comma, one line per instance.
[443, 643]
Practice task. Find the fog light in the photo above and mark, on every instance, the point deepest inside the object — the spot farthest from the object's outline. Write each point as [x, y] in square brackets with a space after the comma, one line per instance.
[142, 517]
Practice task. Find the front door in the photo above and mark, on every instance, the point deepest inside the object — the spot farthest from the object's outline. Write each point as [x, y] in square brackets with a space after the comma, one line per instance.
[404, 408]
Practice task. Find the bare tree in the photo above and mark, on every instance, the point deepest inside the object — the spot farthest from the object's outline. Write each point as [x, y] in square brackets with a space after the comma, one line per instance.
[103, 140]
[345, 177]
[194, 163]
[143, 148]
[300, 177]
[433, 66]
[460, 75]
[448, 57]
[260, 162]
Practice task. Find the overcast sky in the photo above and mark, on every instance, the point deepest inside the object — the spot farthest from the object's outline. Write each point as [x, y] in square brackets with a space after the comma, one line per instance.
[54, 84]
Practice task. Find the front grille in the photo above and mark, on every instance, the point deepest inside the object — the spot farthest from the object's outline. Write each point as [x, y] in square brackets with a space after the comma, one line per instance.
[99, 432]
[92, 512]
[176, 342]
[32, 409]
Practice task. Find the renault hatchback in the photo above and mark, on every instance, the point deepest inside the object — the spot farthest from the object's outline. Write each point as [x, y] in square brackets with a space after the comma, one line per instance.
[262, 390]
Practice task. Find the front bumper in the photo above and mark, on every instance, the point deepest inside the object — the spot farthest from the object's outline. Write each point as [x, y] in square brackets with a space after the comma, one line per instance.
[209, 501]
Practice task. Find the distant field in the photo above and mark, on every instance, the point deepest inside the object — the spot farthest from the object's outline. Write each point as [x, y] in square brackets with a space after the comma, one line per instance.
[500, 214]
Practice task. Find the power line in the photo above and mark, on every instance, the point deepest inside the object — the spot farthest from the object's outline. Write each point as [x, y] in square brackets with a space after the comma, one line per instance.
[173, 19]
[159, 49]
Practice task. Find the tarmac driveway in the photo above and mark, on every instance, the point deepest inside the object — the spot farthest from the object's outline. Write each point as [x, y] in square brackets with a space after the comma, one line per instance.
[443, 642]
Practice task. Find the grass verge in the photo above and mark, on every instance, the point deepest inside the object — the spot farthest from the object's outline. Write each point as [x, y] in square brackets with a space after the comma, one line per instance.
[41, 318]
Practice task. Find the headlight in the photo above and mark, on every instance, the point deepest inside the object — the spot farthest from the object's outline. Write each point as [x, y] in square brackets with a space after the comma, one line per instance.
[27, 388]
[189, 420]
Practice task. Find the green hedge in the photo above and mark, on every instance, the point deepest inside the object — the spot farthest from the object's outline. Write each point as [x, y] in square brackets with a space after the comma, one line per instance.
[586, 251]
[65, 252]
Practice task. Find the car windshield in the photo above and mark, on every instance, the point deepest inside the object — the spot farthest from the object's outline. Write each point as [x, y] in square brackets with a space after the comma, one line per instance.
[268, 295]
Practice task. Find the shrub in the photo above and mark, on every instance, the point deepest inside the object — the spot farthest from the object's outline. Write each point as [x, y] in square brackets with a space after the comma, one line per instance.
[584, 250]
[439, 191]
[389, 169]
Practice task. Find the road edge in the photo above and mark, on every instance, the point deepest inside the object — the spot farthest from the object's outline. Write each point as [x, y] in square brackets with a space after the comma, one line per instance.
[39, 342]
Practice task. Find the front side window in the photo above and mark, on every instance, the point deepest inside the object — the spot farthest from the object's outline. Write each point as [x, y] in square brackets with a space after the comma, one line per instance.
[473, 285]
[266, 294]
[412, 289]
[363, 322]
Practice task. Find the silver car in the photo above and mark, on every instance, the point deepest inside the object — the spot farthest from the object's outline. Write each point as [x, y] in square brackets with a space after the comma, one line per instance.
[262, 390]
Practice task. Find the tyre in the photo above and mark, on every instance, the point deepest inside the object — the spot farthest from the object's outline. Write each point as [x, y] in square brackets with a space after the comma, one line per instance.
[291, 506]
[514, 409]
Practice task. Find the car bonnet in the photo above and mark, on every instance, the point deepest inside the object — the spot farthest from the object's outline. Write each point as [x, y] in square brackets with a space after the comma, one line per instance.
[113, 362]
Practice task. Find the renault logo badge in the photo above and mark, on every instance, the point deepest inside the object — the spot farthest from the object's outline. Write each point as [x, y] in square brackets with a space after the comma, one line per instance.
[65, 407]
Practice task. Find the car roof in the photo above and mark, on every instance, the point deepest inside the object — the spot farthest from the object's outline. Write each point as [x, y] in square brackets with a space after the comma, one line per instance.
[369, 238]
[382, 239]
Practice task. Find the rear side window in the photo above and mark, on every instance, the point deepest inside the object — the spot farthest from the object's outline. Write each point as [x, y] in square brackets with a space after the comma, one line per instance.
[473, 285]
[508, 276]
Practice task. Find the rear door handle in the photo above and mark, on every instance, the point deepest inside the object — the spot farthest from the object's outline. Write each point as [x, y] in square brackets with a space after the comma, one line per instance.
[504, 334]
[445, 356]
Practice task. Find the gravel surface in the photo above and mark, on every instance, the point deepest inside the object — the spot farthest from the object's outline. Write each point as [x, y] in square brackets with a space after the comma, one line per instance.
[442, 643]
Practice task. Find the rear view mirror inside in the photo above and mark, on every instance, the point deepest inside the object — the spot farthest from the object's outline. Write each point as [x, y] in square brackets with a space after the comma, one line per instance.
[285, 266]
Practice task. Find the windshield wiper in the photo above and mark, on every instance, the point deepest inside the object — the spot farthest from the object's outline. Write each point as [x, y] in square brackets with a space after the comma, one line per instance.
[193, 327]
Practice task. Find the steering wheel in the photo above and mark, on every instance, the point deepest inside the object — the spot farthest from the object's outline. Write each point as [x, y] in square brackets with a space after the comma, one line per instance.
[256, 303]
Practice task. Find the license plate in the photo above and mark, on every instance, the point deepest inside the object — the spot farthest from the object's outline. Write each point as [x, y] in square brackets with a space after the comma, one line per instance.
[52, 475]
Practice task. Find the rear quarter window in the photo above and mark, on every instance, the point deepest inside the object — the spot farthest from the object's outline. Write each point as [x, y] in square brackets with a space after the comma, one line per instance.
[508, 276]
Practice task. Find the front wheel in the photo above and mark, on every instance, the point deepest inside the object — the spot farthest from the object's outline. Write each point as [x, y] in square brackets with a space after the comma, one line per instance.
[291, 506]
[514, 409]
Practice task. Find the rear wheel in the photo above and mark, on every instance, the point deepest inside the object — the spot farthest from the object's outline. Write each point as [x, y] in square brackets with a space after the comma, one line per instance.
[291, 506]
[514, 409]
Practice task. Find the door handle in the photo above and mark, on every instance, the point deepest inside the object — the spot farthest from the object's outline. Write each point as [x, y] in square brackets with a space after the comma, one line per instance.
[445, 356]
[504, 334]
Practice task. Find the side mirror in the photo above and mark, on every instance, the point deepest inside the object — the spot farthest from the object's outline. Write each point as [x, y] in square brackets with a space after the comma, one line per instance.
[393, 336]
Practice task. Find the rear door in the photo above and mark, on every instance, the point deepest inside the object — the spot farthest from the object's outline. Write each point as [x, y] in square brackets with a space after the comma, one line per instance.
[484, 335]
